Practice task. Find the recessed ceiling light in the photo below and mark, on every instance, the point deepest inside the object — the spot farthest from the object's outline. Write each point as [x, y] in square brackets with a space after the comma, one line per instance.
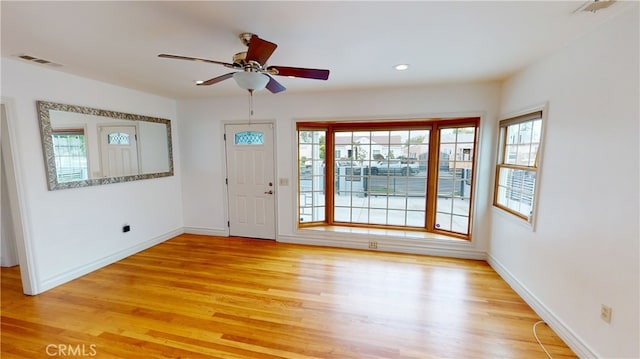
[401, 67]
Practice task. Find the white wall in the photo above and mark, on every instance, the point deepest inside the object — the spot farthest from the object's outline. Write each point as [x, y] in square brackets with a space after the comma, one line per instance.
[202, 148]
[74, 231]
[8, 254]
[584, 251]
[154, 149]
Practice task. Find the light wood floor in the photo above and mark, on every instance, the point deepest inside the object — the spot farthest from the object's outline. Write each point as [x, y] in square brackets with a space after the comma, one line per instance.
[210, 297]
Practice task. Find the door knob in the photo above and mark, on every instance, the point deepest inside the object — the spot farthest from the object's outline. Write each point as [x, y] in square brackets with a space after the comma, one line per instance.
[270, 192]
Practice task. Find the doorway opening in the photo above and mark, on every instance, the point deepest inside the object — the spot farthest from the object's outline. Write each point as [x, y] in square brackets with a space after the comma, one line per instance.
[14, 244]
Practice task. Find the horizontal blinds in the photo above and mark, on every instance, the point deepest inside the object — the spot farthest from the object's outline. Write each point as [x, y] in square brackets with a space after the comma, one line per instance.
[71, 131]
[522, 118]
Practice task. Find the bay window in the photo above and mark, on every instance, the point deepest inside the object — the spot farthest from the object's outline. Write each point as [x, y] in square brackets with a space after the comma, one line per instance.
[411, 175]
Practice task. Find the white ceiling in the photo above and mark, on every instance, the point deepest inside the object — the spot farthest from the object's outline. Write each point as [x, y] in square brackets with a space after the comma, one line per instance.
[360, 42]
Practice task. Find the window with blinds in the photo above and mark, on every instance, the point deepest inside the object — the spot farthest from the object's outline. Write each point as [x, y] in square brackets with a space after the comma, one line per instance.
[517, 167]
[70, 150]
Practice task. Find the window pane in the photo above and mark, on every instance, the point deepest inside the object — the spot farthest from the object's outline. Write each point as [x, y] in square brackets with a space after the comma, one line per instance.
[537, 131]
[418, 144]
[359, 215]
[457, 146]
[70, 156]
[311, 180]
[512, 134]
[305, 136]
[447, 153]
[443, 221]
[522, 143]
[516, 189]
[533, 156]
[396, 218]
[445, 204]
[397, 203]
[378, 200]
[342, 214]
[249, 138]
[511, 154]
[416, 218]
[118, 138]
[378, 216]
[378, 170]
[460, 206]
[460, 224]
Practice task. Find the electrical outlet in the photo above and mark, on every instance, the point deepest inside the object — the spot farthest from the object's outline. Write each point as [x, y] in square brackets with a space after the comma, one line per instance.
[373, 245]
[605, 313]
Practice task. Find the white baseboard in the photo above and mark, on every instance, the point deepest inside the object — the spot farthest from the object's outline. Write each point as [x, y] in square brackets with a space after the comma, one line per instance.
[8, 261]
[207, 231]
[387, 244]
[112, 258]
[565, 333]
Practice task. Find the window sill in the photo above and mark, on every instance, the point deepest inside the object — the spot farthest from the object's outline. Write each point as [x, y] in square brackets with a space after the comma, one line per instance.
[394, 233]
[386, 240]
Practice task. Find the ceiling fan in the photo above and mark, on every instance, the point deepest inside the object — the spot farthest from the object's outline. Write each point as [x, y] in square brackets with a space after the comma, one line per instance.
[254, 74]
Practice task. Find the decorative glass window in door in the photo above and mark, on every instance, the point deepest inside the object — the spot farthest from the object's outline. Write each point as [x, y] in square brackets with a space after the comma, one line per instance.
[118, 138]
[249, 138]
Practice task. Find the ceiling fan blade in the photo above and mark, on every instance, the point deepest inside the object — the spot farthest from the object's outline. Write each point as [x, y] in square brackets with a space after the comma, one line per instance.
[316, 74]
[260, 50]
[215, 80]
[274, 86]
[178, 57]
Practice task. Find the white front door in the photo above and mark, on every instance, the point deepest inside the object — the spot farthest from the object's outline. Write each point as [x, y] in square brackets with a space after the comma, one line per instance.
[118, 151]
[251, 183]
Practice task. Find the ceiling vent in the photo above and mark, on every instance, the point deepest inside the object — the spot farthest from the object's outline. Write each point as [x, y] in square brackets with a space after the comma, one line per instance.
[595, 5]
[40, 61]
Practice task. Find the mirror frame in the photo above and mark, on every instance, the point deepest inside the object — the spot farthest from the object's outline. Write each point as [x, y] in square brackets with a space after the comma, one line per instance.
[49, 157]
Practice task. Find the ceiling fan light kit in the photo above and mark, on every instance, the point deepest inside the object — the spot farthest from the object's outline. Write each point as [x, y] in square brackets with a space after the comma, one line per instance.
[594, 5]
[253, 74]
[251, 81]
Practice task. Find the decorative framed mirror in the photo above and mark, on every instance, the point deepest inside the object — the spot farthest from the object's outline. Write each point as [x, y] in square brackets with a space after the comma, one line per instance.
[85, 146]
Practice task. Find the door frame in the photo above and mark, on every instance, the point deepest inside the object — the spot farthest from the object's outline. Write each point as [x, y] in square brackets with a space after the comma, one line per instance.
[16, 195]
[226, 169]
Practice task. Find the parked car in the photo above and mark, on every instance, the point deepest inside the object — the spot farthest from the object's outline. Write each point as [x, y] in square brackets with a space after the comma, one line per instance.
[394, 168]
